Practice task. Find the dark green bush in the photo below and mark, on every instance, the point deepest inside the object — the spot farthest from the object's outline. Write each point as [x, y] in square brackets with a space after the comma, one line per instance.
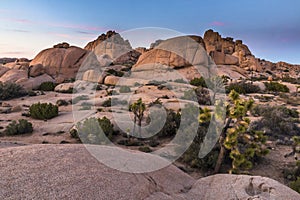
[276, 87]
[11, 90]
[124, 89]
[198, 82]
[90, 130]
[107, 103]
[43, 111]
[47, 86]
[31, 93]
[62, 102]
[145, 149]
[291, 80]
[17, 128]
[243, 88]
[74, 133]
[115, 73]
[295, 185]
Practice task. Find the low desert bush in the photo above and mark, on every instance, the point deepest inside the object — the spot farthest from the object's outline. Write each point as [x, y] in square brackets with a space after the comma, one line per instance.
[18, 128]
[62, 102]
[95, 131]
[145, 149]
[198, 82]
[124, 89]
[11, 90]
[243, 88]
[80, 98]
[47, 86]
[43, 111]
[276, 87]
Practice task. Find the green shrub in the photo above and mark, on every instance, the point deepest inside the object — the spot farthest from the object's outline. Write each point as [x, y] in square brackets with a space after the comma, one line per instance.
[90, 130]
[62, 102]
[107, 103]
[74, 133]
[80, 98]
[43, 111]
[17, 128]
[198, 82]
[47, 86]
[145, 149]
[11, 90]
[276, 87]
[295, 185]
[291, 80]
[124, 89]
[115, 73]
[180, 81]
[31, 93]
[242, 88]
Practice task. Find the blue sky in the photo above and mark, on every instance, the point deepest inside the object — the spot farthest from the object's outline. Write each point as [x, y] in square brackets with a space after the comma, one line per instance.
[271, 28]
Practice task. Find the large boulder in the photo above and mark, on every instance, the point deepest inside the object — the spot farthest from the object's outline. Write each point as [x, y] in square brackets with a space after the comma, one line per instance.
[176, 52]
[34, 82]
[227, 186]
[3, 70]
[13, 75]
[115, 47]
[58, 62]
[111, 80]
[70, 172]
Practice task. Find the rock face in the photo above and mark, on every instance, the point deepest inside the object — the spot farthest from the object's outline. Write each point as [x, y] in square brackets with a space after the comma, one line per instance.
[70, 172]
[176, 52]
[92, 45]
[62, 61]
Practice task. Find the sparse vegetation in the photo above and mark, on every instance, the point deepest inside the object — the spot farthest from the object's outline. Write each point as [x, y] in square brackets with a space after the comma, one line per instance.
[11, 91]
[80, 98]
[170, 126]
[18, 128]
[124, 89]
[276, 121]
[43, 111]
[276, 87]
[95, 131]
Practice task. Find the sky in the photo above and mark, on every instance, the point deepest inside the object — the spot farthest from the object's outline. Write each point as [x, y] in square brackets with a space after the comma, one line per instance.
[270, 28]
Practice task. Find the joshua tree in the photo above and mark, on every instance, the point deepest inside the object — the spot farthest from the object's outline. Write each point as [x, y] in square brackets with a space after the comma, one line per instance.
[138, 109]
[236, 138]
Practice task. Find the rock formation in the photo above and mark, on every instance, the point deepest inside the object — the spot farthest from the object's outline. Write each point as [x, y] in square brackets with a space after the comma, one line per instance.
[61, 62]
[115, 47]
[70, 172]
[176, 52]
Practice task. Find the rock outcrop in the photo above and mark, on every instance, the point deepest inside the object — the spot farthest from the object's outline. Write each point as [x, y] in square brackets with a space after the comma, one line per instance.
[114, 47]
[176, 52]
[70, 172]
[61, 62]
